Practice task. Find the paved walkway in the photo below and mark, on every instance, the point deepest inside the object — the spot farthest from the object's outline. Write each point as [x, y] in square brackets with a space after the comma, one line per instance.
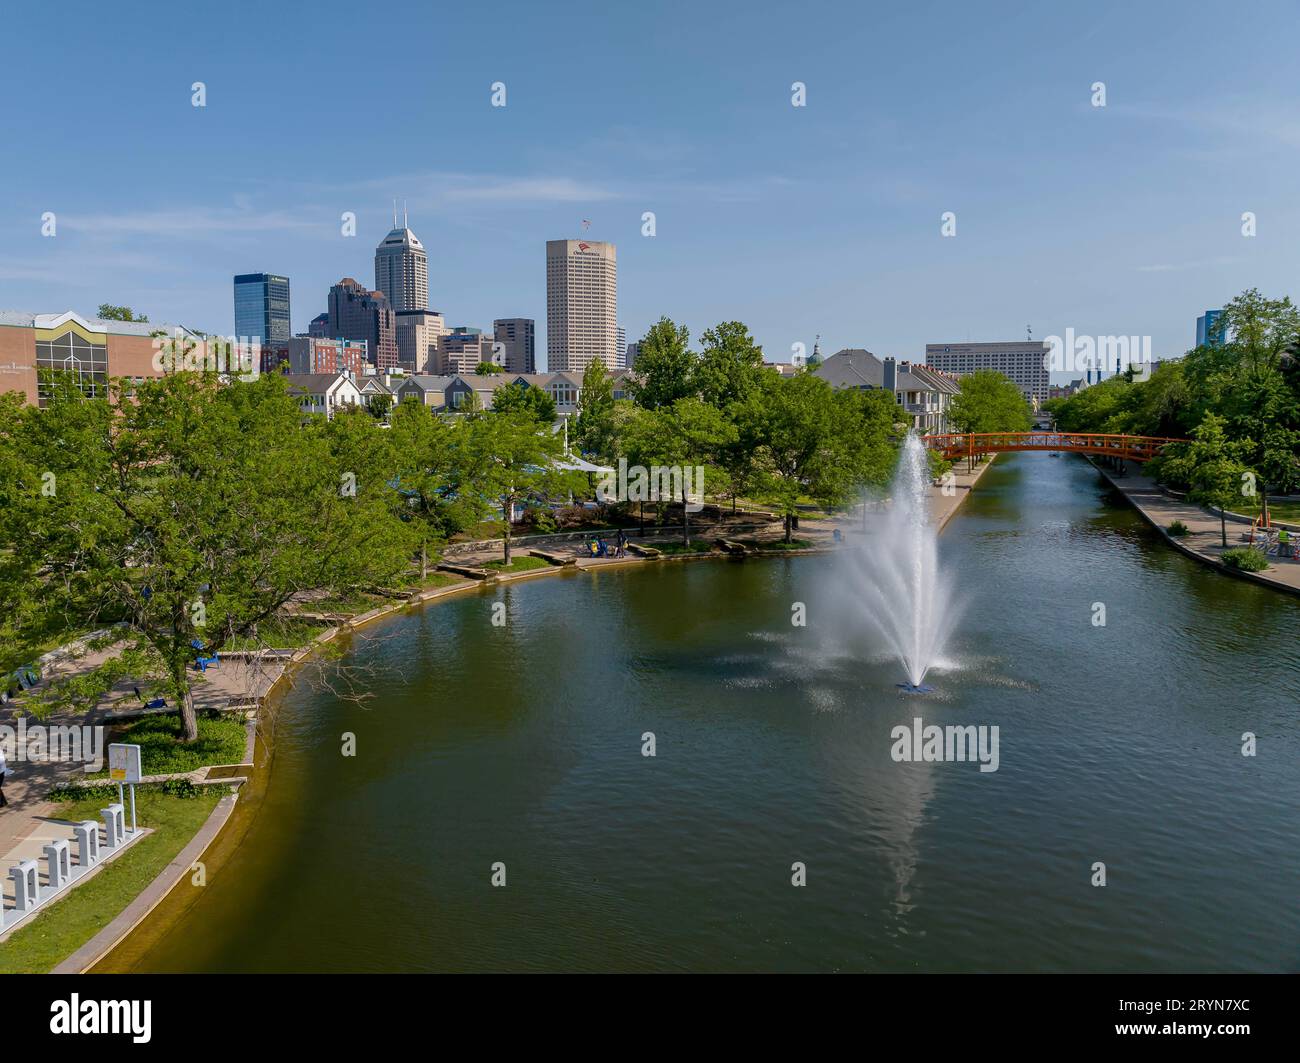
[1204, 540]
[30, 820]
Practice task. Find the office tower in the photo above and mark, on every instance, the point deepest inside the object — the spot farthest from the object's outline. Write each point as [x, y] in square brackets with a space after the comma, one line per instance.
[262, 309]
[357, 314]
[1209, 330]
[1023, 361]
[417, 339]
[402, 269]
[581, 305]
[461, 350]
[629, 356]
[319, 325]
[516, 336]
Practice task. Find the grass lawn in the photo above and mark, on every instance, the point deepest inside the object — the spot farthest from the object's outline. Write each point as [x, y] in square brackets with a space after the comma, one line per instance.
[221, 741]
[778, 544]
[518, 563]
[69, 923]
[695, 546]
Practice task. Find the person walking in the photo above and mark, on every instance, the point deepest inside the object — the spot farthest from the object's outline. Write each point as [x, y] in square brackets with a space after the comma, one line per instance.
[1283, 542]
[4, 770]
[621, 549]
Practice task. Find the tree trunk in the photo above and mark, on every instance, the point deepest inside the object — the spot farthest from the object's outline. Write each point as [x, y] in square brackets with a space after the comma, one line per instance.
[424, 561]
[1223, 526]
[642, 505]
[788, 527]
[686, 519]
[509, 509]
[185, 702]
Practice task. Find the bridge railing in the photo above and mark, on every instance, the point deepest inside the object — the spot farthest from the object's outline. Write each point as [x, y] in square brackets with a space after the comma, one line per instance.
[1116, 444]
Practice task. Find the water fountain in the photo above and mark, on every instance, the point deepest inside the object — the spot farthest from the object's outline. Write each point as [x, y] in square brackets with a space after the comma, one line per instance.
[898, 590]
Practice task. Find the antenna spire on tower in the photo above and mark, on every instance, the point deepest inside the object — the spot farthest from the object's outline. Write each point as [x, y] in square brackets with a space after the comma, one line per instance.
[404, 224]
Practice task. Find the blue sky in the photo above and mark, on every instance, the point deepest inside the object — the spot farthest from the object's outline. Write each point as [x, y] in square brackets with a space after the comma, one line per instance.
[825, 219]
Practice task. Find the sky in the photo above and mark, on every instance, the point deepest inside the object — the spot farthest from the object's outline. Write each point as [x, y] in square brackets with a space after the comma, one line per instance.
[822, 220]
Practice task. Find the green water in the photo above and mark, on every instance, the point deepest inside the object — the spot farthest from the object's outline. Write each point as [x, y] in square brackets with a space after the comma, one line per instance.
[522, 745]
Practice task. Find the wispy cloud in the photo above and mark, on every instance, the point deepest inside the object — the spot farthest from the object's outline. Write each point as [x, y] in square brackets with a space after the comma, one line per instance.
[196, 221]
[1177, 267]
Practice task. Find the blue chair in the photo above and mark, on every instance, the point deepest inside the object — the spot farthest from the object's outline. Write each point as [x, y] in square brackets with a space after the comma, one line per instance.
[157, 703]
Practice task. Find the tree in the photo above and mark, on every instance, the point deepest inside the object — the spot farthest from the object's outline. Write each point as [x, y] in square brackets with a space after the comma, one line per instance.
[684, 436]
[730, 365]
[535, 402]
[665, 366]
[595, 427]
[109, 312]
[487, 368]
[188, 511]
[989, 402]
[793, 421]
[1213, 467]
[435, 466]
[517, 456]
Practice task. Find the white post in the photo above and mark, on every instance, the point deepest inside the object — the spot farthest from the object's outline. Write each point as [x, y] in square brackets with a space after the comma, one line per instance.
[87, 843]
[59, 864]
[26, 888]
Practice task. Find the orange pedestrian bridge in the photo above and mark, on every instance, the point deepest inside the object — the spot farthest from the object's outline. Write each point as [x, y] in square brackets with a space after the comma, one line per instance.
[966, 444]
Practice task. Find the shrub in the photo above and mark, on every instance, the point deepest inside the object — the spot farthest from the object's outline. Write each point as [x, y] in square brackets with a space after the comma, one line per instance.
[1177, 529]
[1245, 559]
[540, 520]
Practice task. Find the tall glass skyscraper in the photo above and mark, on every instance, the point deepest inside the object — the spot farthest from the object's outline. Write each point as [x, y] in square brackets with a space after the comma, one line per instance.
[1209, 332]
[262, 308]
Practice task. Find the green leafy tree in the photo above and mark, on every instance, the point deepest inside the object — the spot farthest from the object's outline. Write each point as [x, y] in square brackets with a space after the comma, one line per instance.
[595, 427]
[685, 435]
[435, 469]
[109, 312]
[536, 402]
[730, 365]
[190, 511]
[665, 366]
[1213, 467]
[517, 455]
[487, 368]
[795, 426]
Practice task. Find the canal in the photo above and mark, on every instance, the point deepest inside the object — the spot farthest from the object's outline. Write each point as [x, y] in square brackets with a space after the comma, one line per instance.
[521, 745]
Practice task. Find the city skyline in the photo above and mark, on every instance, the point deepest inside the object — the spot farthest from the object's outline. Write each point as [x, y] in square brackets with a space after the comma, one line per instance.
[1123, 219]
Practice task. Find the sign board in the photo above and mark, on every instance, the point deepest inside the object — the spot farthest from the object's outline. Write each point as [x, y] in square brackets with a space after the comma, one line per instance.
[123, 763]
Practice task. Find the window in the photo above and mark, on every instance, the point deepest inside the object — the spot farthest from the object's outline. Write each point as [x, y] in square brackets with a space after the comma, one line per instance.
[87, 361]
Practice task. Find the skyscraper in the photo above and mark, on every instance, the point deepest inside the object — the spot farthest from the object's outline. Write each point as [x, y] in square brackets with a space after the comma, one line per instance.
[417, 338]
[1208, 330]
[517, 338]
[402, 269]
[581, 305]
[356, 314]
[262, 309]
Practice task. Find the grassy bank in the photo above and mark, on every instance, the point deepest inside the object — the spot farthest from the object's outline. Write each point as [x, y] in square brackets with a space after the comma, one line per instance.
[69, 923]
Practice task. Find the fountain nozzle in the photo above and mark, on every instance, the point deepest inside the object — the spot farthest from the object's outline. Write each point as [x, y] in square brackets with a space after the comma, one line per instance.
[915, 688]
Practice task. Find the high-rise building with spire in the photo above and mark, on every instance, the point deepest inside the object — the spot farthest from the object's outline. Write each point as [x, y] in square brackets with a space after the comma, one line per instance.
[402, 268]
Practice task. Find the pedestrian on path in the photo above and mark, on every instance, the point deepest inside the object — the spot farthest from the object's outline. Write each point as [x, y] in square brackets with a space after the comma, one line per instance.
[1283, 543]
[4, 770]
